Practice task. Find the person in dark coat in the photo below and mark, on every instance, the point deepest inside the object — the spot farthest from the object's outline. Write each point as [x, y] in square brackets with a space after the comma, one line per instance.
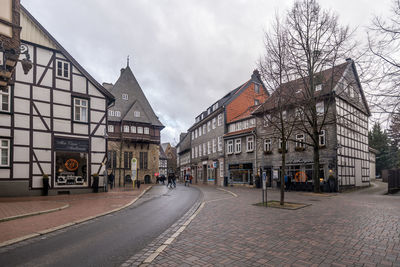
[111, 180]
[169, 184]
[173, 179]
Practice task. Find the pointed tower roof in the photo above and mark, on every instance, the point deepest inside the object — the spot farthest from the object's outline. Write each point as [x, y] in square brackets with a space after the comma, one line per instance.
[135, 107]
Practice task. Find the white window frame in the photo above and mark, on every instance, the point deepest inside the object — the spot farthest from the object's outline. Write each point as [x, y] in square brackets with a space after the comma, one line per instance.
[133, 129]
[214, 123]
[125, 96]
[196, 152]
[322, 138]
[7, 148]
[250, 143]
[214, 145]
[267, 145]
[136, 113]
[111, 113]
[238, 145]
[204, 149]
[140, 130]
[7, 95]
[229, 147]
[192, 135]
[81, 107]
[126, 128]
[199, 129]
[208, 126]
[192, 152]
[300, 139]
[280, 144]
[256, 102]
[195, 133]
[204, 128]
[208, 147]
[200, 150]
[146, 130]
[256, 88]
[64, 66]
[117, 113]
[110, 128]
[220, 119]
[220, 143]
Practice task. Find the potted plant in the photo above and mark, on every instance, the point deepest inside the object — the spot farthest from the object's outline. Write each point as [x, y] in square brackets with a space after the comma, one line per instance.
[45, 184]
[95, 183]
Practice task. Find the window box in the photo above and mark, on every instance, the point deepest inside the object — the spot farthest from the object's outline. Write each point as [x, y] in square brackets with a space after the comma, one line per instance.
[280, 150]
[268, 152]
[298, 149]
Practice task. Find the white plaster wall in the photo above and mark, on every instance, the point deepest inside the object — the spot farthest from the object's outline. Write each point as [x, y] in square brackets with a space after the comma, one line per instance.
[22, 90]
[5, 132]
[21, 137]
[79, 84]
[21, 154]
[21, 121]
[59, 55]
[62, 84]
[98, 144]
[41, 93]
[21, 105]
[97, 157]
[62, 112]
[62, 97]
[48, 78]
[97, 103]
[96, 116]
[43, 108]
[20, 76]
[4, 173]
[5, 120]
[75, 70]
[37, 181]
[99, 131]
[38, 124]
[43, 155]
[43, 56]
[80, 128]
[62, 126]
[41, 139]
[21, 171]
[94, 91]
[39, 72]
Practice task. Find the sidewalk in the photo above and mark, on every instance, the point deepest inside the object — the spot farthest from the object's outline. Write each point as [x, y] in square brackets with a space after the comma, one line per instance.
[26, 217]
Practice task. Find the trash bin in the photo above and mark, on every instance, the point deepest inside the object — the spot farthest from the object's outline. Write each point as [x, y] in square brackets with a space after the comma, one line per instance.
[95, 184]
[45, 186]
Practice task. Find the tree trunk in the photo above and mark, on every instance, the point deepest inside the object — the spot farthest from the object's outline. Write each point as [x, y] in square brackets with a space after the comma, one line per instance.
[282, 202]
[316, 163]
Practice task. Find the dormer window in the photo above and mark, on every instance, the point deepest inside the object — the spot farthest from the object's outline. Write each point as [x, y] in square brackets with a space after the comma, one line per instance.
[111, 113]
[256, 88]
[117, 113]
[136, 114]
[318, 87]
[62, 69]
[125, 96]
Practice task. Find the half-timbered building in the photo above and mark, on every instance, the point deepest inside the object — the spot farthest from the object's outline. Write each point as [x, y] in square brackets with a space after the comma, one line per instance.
[54, 120]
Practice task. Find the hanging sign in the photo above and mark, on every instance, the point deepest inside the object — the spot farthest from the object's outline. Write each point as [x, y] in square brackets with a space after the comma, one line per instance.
[134, 169]
[71, 164]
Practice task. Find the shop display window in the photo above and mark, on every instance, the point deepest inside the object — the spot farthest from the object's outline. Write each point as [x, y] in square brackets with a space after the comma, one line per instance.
[71, 169]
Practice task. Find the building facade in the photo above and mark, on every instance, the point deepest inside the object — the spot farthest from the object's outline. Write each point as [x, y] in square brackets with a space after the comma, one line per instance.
[183, 155]
[343, 138]
[53, 122]
[133, 131]
[208, 159]
[163, 163]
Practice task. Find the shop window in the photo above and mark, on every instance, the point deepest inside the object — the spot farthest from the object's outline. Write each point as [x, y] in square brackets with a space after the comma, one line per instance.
[80, 110]
[62, 69]
[4, 152]
[110, 128]
[71, 169]
[238, 146]
[229, 147]
[5, 99]
[250, 143]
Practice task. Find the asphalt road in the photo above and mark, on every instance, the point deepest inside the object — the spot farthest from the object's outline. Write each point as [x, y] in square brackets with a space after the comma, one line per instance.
[108, 240]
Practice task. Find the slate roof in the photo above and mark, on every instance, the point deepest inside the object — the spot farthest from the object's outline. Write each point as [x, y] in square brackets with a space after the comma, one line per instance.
[162, 153]
[137, 101]
[184, 142]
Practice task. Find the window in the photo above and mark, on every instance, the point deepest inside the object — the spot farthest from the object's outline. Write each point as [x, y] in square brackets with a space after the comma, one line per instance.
[143, 160]
[280, 144]
[214, 145]
[322, 140]
[214, 123]
[200, 150]
[208, 111]
[204, 129]
[140, 130]
[208, 147]
[250, 143]
[126, 128]
[111, 113]
[300, 141]
[256, 102]
[232, 127]
[299, 113]
[229, 147]
[80, 110]
[5, 99]
[110, 128]
[127, 159]
[267, 145]
[195, 133]
[320, 108]
[199, 131]
[133, 129]
[4, 152]
[117, 113]
[267, 120]
[192, 135]
[318, 87]
[125, 96]
[62, 69]
[208, 126]
[192, 152]
[238, 145]
[136, 114]
[284, 115]
[219, 143]
[219, 119]
[256, 88]
[196, 152]
[204, 149]
[146, 130]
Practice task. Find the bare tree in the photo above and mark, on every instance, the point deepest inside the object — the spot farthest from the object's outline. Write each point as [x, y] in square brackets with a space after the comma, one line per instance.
[384, 44]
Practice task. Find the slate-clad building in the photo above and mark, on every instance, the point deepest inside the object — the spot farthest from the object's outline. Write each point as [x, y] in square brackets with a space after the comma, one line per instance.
[183, 155]
[133, 131]
[53, 122]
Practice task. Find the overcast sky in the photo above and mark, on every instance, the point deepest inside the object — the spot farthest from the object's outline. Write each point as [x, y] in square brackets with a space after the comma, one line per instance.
[185, 54]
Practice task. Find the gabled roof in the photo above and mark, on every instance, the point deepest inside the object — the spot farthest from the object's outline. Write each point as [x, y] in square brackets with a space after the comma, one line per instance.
[49, 41]
[162, 153]
[137, 101]
[293, 91]
[184, 142]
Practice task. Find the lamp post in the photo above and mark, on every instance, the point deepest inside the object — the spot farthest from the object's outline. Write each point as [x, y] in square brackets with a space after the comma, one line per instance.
[338, 146]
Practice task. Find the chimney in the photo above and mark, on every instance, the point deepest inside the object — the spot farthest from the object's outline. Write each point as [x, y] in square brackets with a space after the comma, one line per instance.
[256, 74]
[122, 70]
[349, 59]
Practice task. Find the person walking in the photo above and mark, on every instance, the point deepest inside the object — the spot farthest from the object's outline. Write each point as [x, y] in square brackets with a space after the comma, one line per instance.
[169, 184]
[173, 177]
[187, 180]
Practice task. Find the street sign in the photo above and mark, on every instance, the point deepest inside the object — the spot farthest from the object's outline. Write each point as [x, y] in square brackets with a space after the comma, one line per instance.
[134, 169]
[264, 180]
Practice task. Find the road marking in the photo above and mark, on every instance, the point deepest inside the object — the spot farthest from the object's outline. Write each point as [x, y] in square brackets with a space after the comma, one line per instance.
[230, 192]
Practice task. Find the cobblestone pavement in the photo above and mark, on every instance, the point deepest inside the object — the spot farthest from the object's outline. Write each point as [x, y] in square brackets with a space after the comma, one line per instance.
[360, 228]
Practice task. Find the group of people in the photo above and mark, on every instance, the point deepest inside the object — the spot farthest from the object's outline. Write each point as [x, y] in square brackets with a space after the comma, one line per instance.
[171, 180]
[188, 179]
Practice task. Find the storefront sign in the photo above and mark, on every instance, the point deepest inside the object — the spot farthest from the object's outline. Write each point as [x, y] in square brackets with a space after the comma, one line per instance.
[245, 166]
[74, 145]
[71, 165]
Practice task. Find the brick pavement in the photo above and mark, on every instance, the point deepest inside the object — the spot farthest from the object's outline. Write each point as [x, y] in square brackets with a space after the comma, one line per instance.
[72, 209]
[360, 228]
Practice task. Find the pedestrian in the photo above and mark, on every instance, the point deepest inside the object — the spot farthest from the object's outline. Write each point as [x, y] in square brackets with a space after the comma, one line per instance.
[105, 181]
[173, 179]
[138, 184]
[187, 179]
[169, 184]
[331, 182]
[190, 178]
[111, 180]
[163, 179]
